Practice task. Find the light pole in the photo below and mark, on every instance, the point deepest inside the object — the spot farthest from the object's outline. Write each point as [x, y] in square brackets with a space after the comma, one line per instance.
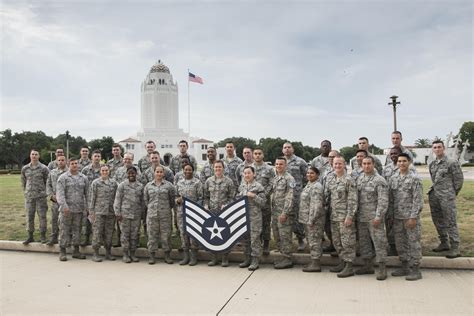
[394, 103]
[67, 145]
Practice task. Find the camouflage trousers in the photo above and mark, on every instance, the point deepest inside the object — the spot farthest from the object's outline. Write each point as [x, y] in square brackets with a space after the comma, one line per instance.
[176, 224]
[408, 241]
[266, 222]
[54, 218]
[186, 242]
[282, 234]
[33, 206]
[314, 235]
[253, 241]
[159, 228]
[298, 228]
[344, 240]
[130, 233]
[86, 227]
[389, 229]
[70, 229]
[102, 231]
[370, 235]
[444, 215]
[327, 224]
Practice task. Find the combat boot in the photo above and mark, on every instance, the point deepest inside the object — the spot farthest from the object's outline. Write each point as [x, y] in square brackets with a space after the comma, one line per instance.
[402, 271]
[225, 260]
[167, 258]
[392, 251]
[367, 268]
[53, 240]
[95, 256]
[29, 239]
[213, 261]
[382, 271]
[43, 237]
[76, 254]
[313, 266]
[347, 271]
[246, 262]
[453, 252]
[185, 259]
[338, 268]
[253, 264]
[126, 257]
[193, 257]
[301, 244]
[266, 247]
[62, 254]
[328, 249]
[285, 263]
[415, 274]
[152, 260]
[132, 256]
[87, 240]
[443, 246]
[108, 254]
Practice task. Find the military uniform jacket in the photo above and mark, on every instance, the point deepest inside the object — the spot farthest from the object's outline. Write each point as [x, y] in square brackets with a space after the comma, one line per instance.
[83, 163]
[232, 164]
[256, 203]
[282, 194]
[114, 164]
[149, 175]
[447, 177]
[144, 163]
[191, 189]
[159, 197]
[208, 171]
[102, 196]
[264, 175]
[323, 165]
[377, 162]
[91, 172]
[129, 201]
[391, 169]
[405, 196]
[33, 180]
[52, 182]
[180, 175]
[239, 172]
[297, 167]
[52, 165]
[388, 160]
[176, 162]
[121, 174]
[72, 192]
[311, 203]
[340, 194]
[373, 197]
[218, 192]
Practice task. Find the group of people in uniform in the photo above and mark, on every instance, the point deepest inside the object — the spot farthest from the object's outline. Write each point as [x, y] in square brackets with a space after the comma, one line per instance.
[374, 210]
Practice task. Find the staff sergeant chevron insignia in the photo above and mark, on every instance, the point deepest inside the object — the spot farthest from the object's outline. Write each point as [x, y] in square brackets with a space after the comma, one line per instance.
[216, 232]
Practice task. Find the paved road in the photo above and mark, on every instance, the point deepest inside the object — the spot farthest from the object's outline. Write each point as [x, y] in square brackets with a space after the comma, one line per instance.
[35, 283]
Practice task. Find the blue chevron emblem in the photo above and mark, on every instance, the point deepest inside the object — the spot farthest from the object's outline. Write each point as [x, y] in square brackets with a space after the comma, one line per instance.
[216, 232]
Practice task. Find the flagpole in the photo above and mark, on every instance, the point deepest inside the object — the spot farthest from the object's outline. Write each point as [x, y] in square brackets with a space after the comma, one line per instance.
[189, 115]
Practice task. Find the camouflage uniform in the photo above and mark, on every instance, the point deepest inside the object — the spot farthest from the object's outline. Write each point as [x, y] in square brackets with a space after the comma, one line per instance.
[447, 179]
[312, 215]
[377, 162]
[92, 172]
[51, 192]
[72, 192]
[176, 163]
[159, 199]
[373, 204]
[323, 165]
[102, 196]
[264, 175]
[297, 167]
[83, 163]
[282, 203]
[129, 204]
[180, 176]
[121, 174]
[114, 164]
[356, 172]
[406, 201]
[232, 164]
[208, 171]
[253, 242]
[144, 163]
[191, 189]
[340, 195]
[149, 175]
[52, 165]
[404, 150]
[239, 172]
[33, 181]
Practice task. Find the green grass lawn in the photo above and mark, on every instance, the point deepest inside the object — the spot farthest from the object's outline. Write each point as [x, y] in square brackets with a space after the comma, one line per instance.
[12, 216]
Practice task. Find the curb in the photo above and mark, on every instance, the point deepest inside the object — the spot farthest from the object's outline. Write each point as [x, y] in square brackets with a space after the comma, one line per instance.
[462, 263]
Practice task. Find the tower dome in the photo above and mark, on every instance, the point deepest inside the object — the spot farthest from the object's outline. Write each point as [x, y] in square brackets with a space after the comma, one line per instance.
[160, 67]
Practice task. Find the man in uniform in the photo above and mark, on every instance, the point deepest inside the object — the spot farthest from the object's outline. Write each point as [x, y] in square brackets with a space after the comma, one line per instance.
[33, 181]
[72, 194]
[121, 174]
[363, 144]
[264, 175]
[149, 174]
[447, 178]
[322, 161]
[117, 160]
[145, 162]
[53, 164]
[373, 204]
[232, 162]
[208, 169]
[406, 202]
[297, 167]
[84, 160]
[357, 169]
[282, 197]
[248, 161]
[176, 162]
[397, 142]
[51, 185]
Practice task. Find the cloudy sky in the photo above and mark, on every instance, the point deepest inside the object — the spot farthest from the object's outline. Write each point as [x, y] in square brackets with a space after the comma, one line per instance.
[304, 71]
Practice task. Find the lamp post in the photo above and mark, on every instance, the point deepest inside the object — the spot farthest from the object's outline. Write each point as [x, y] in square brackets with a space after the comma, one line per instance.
[67, 145]
[394, 103]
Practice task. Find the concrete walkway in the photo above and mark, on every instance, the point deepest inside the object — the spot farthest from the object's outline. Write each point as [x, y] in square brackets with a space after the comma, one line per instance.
[38, 283]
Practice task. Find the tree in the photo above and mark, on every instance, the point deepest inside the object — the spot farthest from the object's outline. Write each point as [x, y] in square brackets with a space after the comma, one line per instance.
[467, 133]
[103, 144]
[75, 144]
[6, 147]
[25, 141]
[423, 143]
[239, 143]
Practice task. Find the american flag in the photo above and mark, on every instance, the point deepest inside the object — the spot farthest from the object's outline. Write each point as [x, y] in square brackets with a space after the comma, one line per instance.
[194, 78]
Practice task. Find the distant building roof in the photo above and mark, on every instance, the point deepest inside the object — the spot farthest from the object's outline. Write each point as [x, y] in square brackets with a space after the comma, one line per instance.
[202, 140]
[130, 140]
